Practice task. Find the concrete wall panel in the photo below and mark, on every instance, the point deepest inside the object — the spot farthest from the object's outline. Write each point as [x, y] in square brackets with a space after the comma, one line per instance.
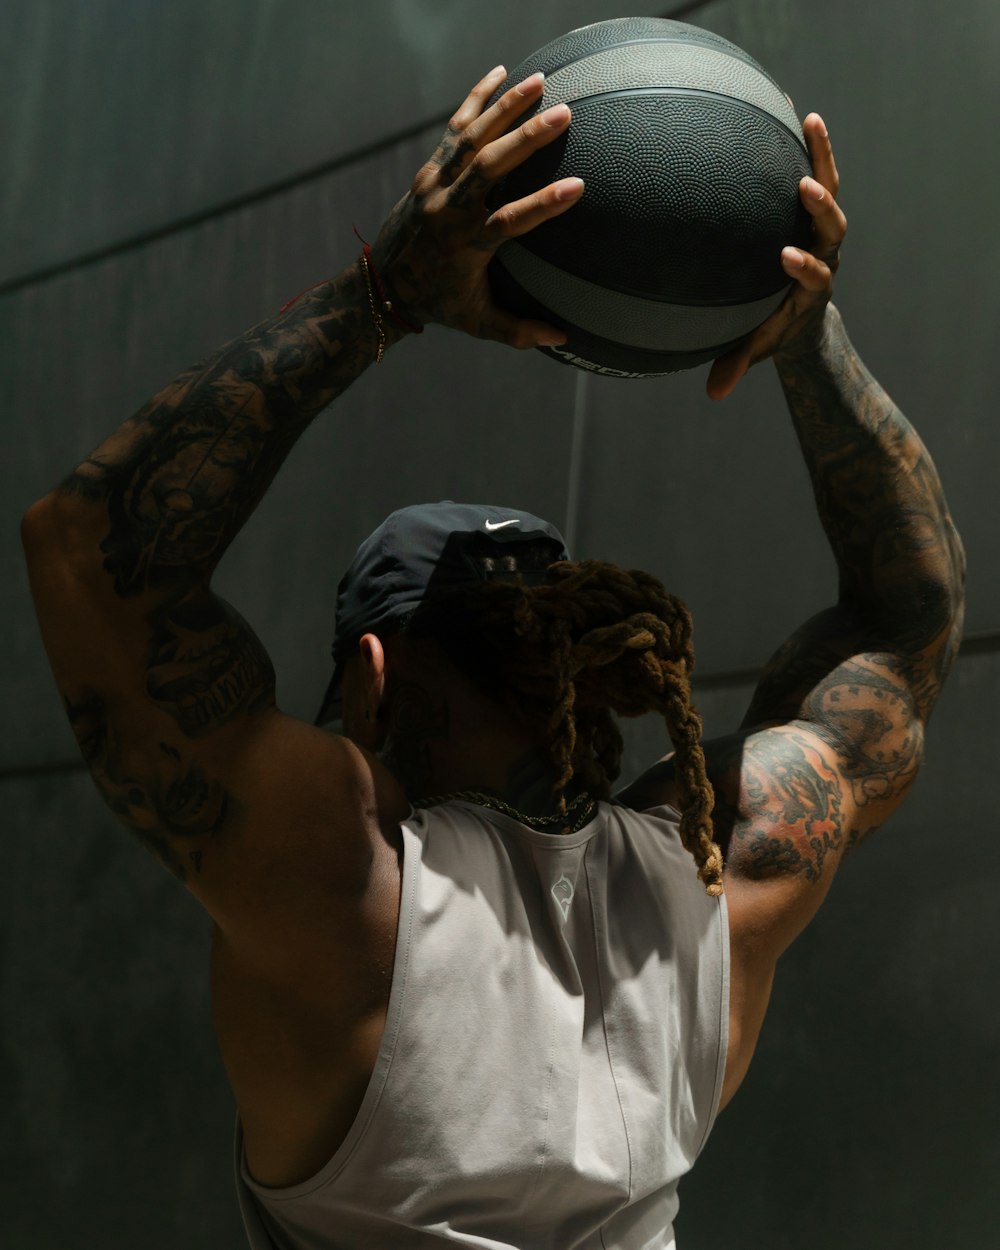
[125, 115]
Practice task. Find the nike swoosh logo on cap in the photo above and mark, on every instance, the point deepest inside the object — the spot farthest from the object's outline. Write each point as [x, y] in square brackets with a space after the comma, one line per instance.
[499, 525]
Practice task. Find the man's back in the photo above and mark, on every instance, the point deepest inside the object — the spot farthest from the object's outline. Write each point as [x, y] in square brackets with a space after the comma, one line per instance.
[554, 1046]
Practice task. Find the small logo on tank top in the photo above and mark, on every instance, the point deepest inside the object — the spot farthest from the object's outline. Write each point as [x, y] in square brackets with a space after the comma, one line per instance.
[563, 892]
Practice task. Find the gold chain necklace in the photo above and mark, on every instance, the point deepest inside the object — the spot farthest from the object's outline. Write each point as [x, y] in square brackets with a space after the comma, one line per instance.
[586, 805]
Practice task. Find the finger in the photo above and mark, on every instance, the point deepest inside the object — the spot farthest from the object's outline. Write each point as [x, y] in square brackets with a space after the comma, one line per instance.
[502, 327]
[460, 142]
[808, 270]
[727, 370]
[523, 215]
[821, 153]
[499, 117]
[498, 158]
[829, 222]
[472, 105]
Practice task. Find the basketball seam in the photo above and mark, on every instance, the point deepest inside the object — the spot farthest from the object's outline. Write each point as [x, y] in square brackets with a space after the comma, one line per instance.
[714, 96]
[718, 44]
[723, 45]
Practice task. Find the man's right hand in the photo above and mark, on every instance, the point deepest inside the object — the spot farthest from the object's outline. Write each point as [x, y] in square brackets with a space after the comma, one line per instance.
[433, 251]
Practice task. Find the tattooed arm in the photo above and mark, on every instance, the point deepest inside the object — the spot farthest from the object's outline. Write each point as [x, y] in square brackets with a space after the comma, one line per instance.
[834, 735]
[170, 694]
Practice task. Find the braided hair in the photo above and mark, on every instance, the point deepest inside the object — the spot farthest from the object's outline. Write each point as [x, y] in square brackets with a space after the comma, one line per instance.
[570, 652]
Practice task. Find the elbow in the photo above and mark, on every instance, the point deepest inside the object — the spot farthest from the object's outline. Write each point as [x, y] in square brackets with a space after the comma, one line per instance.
[59, 525]
[37, 527]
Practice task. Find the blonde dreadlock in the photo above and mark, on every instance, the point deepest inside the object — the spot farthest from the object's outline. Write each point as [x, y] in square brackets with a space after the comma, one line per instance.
[591, 640]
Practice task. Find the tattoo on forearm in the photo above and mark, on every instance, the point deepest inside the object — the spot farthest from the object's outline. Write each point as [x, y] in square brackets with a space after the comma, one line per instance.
[181, 477]
[881, 503]
[172, 807]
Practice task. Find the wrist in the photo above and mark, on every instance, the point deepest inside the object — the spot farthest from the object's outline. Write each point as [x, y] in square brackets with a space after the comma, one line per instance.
[388, 320]
[351, 291]
[815, 344]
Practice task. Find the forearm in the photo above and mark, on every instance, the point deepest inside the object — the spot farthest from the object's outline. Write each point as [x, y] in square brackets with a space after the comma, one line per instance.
[879, 498]
[171, 487]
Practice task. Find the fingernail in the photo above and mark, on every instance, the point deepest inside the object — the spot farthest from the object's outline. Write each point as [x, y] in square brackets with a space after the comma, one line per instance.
[568, 188]
[792, 256]
[815, 190]
[530, 84]
[555, 115]
[822, 128]
[552, 340]
[498, 71]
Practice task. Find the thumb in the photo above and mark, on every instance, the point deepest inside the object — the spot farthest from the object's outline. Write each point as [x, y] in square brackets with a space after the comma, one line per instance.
[520, 332]
[726, 371]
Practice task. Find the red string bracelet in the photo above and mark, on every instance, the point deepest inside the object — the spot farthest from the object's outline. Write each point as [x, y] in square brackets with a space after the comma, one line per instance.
[376, 281]
[296, 298]
[386, 303]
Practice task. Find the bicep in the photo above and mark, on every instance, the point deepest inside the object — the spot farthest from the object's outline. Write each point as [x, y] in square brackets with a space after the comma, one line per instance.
[161, 692]
[792, 798]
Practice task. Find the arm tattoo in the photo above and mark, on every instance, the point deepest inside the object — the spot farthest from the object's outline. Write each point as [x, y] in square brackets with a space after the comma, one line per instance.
[172, 807]
[206, 665]
[852, 689]
[777, 805]
[899, 557]
[176, 482]
[881, 503]
[181, 477]
[871, 722]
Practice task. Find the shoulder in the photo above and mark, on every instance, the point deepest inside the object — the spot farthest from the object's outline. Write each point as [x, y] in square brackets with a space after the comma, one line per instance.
[783, 816]
[311, 830]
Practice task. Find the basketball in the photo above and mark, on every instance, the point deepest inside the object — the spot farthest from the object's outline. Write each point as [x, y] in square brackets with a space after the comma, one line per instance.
[692, 157]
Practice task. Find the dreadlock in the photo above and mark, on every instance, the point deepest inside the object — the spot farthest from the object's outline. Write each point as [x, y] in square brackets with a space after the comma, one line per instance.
[589, 642]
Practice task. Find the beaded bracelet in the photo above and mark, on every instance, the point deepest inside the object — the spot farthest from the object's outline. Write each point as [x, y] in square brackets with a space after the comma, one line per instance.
[376, 315]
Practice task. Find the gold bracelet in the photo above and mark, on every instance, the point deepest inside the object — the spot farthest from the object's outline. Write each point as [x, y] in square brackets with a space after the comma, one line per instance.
[376, 315]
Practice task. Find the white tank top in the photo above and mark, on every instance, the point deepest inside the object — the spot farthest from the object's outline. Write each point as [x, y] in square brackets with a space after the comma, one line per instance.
[553, 1052]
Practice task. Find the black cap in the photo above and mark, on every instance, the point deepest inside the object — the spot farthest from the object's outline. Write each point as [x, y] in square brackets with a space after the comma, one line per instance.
[419, 549]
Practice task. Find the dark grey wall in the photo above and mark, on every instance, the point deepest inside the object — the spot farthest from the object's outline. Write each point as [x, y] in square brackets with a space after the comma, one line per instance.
[172, 174]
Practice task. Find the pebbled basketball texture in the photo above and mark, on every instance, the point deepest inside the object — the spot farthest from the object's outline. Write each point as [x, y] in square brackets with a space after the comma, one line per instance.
[692, 158]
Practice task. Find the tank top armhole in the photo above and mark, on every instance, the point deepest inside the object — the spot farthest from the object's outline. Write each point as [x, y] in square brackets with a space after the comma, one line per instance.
[412, 855]
[722, 931]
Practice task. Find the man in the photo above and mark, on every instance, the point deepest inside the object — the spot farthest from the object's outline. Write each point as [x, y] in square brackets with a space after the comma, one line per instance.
[461, 997]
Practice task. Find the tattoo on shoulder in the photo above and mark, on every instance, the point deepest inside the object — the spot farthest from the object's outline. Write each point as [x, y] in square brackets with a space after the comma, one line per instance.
[778, 805]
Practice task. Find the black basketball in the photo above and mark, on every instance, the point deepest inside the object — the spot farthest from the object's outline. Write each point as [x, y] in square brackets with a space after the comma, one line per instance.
[692, 157]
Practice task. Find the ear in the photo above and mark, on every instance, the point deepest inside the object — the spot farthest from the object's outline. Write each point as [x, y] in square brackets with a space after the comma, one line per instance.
[372, 656]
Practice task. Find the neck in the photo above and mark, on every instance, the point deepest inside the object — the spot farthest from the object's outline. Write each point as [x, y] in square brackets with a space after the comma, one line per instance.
[442, 741]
